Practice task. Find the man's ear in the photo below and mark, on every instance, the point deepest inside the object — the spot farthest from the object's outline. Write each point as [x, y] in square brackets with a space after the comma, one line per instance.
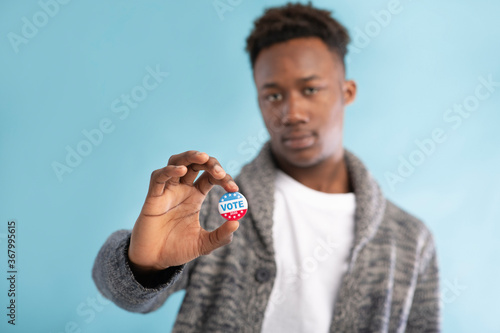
[349, 91]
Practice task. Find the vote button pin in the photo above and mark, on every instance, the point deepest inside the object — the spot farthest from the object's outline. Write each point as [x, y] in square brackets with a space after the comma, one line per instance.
[233, 206]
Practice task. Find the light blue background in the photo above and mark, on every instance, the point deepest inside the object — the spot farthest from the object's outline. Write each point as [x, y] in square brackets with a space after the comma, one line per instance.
[63, 81]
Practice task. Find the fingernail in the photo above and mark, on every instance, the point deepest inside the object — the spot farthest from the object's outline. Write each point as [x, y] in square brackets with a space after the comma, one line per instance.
[218, 169]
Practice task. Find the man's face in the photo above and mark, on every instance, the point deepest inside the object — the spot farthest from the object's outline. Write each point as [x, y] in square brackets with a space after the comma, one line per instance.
[302, 93]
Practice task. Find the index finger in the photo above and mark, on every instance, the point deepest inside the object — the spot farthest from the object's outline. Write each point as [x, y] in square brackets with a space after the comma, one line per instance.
[188, 157]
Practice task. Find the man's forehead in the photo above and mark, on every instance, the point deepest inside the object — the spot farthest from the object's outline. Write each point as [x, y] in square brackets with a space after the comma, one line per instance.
[296, 59]
[274, 82]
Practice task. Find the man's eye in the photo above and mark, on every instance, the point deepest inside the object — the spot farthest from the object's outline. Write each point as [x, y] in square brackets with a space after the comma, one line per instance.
[273, 97]
[311, 90]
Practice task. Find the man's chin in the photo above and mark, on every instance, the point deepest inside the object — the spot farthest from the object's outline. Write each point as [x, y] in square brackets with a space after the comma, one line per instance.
[300, 158]
[303, 163]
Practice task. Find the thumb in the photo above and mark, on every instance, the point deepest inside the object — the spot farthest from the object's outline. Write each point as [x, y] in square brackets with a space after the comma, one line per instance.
[223, 235]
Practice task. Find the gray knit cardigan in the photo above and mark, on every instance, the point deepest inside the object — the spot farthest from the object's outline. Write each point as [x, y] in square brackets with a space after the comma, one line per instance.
[391, 283]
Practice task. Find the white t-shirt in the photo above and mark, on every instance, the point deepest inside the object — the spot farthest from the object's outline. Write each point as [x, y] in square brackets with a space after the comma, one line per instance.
[313, 232]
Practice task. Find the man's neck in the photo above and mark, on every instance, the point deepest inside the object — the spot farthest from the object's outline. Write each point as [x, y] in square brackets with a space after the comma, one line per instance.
[329, 176]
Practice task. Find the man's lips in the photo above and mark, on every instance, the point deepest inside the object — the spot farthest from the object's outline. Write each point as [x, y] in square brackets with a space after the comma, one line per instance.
[298, 140]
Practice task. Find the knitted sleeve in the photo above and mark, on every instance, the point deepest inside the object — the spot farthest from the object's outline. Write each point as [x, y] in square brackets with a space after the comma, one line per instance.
[115, 280]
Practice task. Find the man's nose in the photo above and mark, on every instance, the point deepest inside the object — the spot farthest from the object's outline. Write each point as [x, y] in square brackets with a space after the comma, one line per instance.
[294, 111]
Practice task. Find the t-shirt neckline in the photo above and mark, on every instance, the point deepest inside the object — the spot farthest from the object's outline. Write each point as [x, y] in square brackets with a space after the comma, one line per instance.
[311, 196]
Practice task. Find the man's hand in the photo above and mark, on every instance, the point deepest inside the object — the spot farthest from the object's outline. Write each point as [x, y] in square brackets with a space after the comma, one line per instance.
[167, 231]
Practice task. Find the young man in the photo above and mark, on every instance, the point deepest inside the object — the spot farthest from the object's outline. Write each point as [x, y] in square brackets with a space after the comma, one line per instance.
[320, 250]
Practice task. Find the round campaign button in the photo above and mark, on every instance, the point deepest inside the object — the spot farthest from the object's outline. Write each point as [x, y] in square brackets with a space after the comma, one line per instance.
[233, 206]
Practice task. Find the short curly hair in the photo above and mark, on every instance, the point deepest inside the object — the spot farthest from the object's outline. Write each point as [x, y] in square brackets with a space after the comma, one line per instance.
[279, 24]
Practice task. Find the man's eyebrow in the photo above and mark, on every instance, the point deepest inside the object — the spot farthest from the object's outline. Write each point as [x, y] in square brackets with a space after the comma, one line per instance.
[309, 78]
[304, 79]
